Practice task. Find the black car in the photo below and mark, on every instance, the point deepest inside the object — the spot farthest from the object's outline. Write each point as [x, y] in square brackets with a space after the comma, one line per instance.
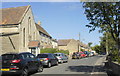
[20, 63]
[48, 59]
[76, 55]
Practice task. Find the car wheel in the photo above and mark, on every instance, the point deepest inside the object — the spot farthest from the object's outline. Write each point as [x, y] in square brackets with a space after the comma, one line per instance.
[57, 63]
[66, 61]
[61, 62]
[49, 65]
[24, 72]
[40, 68]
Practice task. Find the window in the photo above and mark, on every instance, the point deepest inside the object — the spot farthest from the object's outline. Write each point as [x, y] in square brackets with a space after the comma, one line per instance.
[25, 56]
[31, 56]
[24, 37]
[42, 56]
[29, 25]
[9, 56]
[34, 36]
[29, 28]
[33, 51]
[21, 56]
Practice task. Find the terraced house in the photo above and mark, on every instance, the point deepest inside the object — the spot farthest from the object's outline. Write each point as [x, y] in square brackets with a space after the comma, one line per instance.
[43, 36]
[71, 45]
[18, 30]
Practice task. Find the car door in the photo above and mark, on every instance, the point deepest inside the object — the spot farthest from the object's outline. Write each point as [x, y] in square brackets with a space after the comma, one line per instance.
[28, 61]
[54, 58]
[64, 58]
[51, 59]
[34, 61]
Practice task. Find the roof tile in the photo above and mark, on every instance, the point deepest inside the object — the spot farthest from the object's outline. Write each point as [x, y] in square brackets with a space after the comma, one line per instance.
[12, 15]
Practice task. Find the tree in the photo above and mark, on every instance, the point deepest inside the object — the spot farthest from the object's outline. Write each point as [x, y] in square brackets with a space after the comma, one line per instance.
[105, 16]
[89, 44]
[97, 48]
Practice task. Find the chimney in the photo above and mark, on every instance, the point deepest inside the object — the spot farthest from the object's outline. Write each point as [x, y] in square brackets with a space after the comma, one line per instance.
[39, 23]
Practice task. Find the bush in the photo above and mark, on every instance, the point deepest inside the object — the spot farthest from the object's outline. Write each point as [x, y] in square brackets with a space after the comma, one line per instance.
[115, 56]
[63, 51]
[52, 50]
[48, 50]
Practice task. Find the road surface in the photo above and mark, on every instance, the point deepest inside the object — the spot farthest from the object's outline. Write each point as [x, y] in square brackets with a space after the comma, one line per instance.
[90, 66]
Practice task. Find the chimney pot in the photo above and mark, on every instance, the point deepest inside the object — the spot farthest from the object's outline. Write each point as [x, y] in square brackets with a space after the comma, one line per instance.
[39, 23]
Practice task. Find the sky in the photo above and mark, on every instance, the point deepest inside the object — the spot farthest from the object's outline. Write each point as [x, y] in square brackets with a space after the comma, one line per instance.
[62, 20]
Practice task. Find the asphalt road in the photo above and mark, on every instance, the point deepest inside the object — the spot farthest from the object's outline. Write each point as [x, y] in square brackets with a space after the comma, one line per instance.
[90, 66]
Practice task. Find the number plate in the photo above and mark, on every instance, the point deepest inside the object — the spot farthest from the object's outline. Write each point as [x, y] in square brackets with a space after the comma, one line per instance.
[41, 60]
[5, 69]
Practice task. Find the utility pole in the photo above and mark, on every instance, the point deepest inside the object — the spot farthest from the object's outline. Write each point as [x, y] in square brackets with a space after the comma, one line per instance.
[107, 43]
[79, 43]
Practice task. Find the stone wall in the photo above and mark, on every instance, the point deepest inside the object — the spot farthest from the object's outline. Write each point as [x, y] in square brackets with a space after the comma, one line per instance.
[10, 43]
[27, 25]
[72, 46]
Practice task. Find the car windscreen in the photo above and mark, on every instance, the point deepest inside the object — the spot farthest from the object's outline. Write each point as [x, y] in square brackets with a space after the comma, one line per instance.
[9, 56]
[57, 54]
[42, 56]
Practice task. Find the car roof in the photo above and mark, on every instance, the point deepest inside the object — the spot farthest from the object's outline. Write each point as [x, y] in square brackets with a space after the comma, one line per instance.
[46, 53]
[16, 53]
[58, 53]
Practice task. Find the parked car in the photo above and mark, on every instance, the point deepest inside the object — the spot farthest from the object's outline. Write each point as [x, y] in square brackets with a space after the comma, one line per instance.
[76, 55]
[61, 57]
[20, 63]
[82, 54]
[87, 53]
[48, 59]
[91, 54]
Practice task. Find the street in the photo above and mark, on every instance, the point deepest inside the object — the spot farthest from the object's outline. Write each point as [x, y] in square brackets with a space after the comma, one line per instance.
[86, 66]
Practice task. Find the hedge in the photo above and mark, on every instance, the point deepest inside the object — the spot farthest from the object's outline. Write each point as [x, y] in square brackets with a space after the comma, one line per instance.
[51, 50]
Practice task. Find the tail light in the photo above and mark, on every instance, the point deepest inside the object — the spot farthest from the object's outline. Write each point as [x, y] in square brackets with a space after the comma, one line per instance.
[14, 67]
[46, 59]
[15, 61]
[60, 57]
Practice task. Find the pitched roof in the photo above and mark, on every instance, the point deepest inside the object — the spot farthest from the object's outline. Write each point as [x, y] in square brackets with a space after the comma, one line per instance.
[63, 42]
[39, 28]
[34, 44]
[12, 15]
[82, 44]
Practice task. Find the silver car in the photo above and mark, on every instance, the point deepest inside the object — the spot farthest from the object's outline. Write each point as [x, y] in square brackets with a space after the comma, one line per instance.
[61, 57]
[48, 59]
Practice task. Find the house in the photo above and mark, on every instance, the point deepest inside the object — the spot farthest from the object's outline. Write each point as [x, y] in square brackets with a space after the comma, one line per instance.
[44, 37]
[83, 46]
[68, 44]
[18, 30]
[54, 43]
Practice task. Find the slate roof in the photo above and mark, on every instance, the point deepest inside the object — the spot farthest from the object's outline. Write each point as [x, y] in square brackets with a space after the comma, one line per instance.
[63, 42]
[39, 28]
[12, 15]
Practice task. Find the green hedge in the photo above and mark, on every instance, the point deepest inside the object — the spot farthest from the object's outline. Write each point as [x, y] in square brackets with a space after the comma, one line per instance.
[51, 50]
[63, 51]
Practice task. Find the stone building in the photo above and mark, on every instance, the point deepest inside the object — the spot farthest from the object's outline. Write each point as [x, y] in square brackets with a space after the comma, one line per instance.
[44, 37]
[18, 30]
[54, 43]
[72, 45]
[68, 44]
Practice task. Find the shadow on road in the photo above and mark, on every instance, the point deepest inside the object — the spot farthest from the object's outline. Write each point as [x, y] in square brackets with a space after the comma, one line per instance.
[82, 68]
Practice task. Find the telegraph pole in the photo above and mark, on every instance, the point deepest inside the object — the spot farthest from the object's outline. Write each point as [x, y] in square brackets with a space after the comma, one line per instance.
[107, 43]
[78, 43]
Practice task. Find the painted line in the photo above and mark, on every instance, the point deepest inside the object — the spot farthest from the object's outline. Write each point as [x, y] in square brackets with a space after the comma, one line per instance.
[97, 63]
